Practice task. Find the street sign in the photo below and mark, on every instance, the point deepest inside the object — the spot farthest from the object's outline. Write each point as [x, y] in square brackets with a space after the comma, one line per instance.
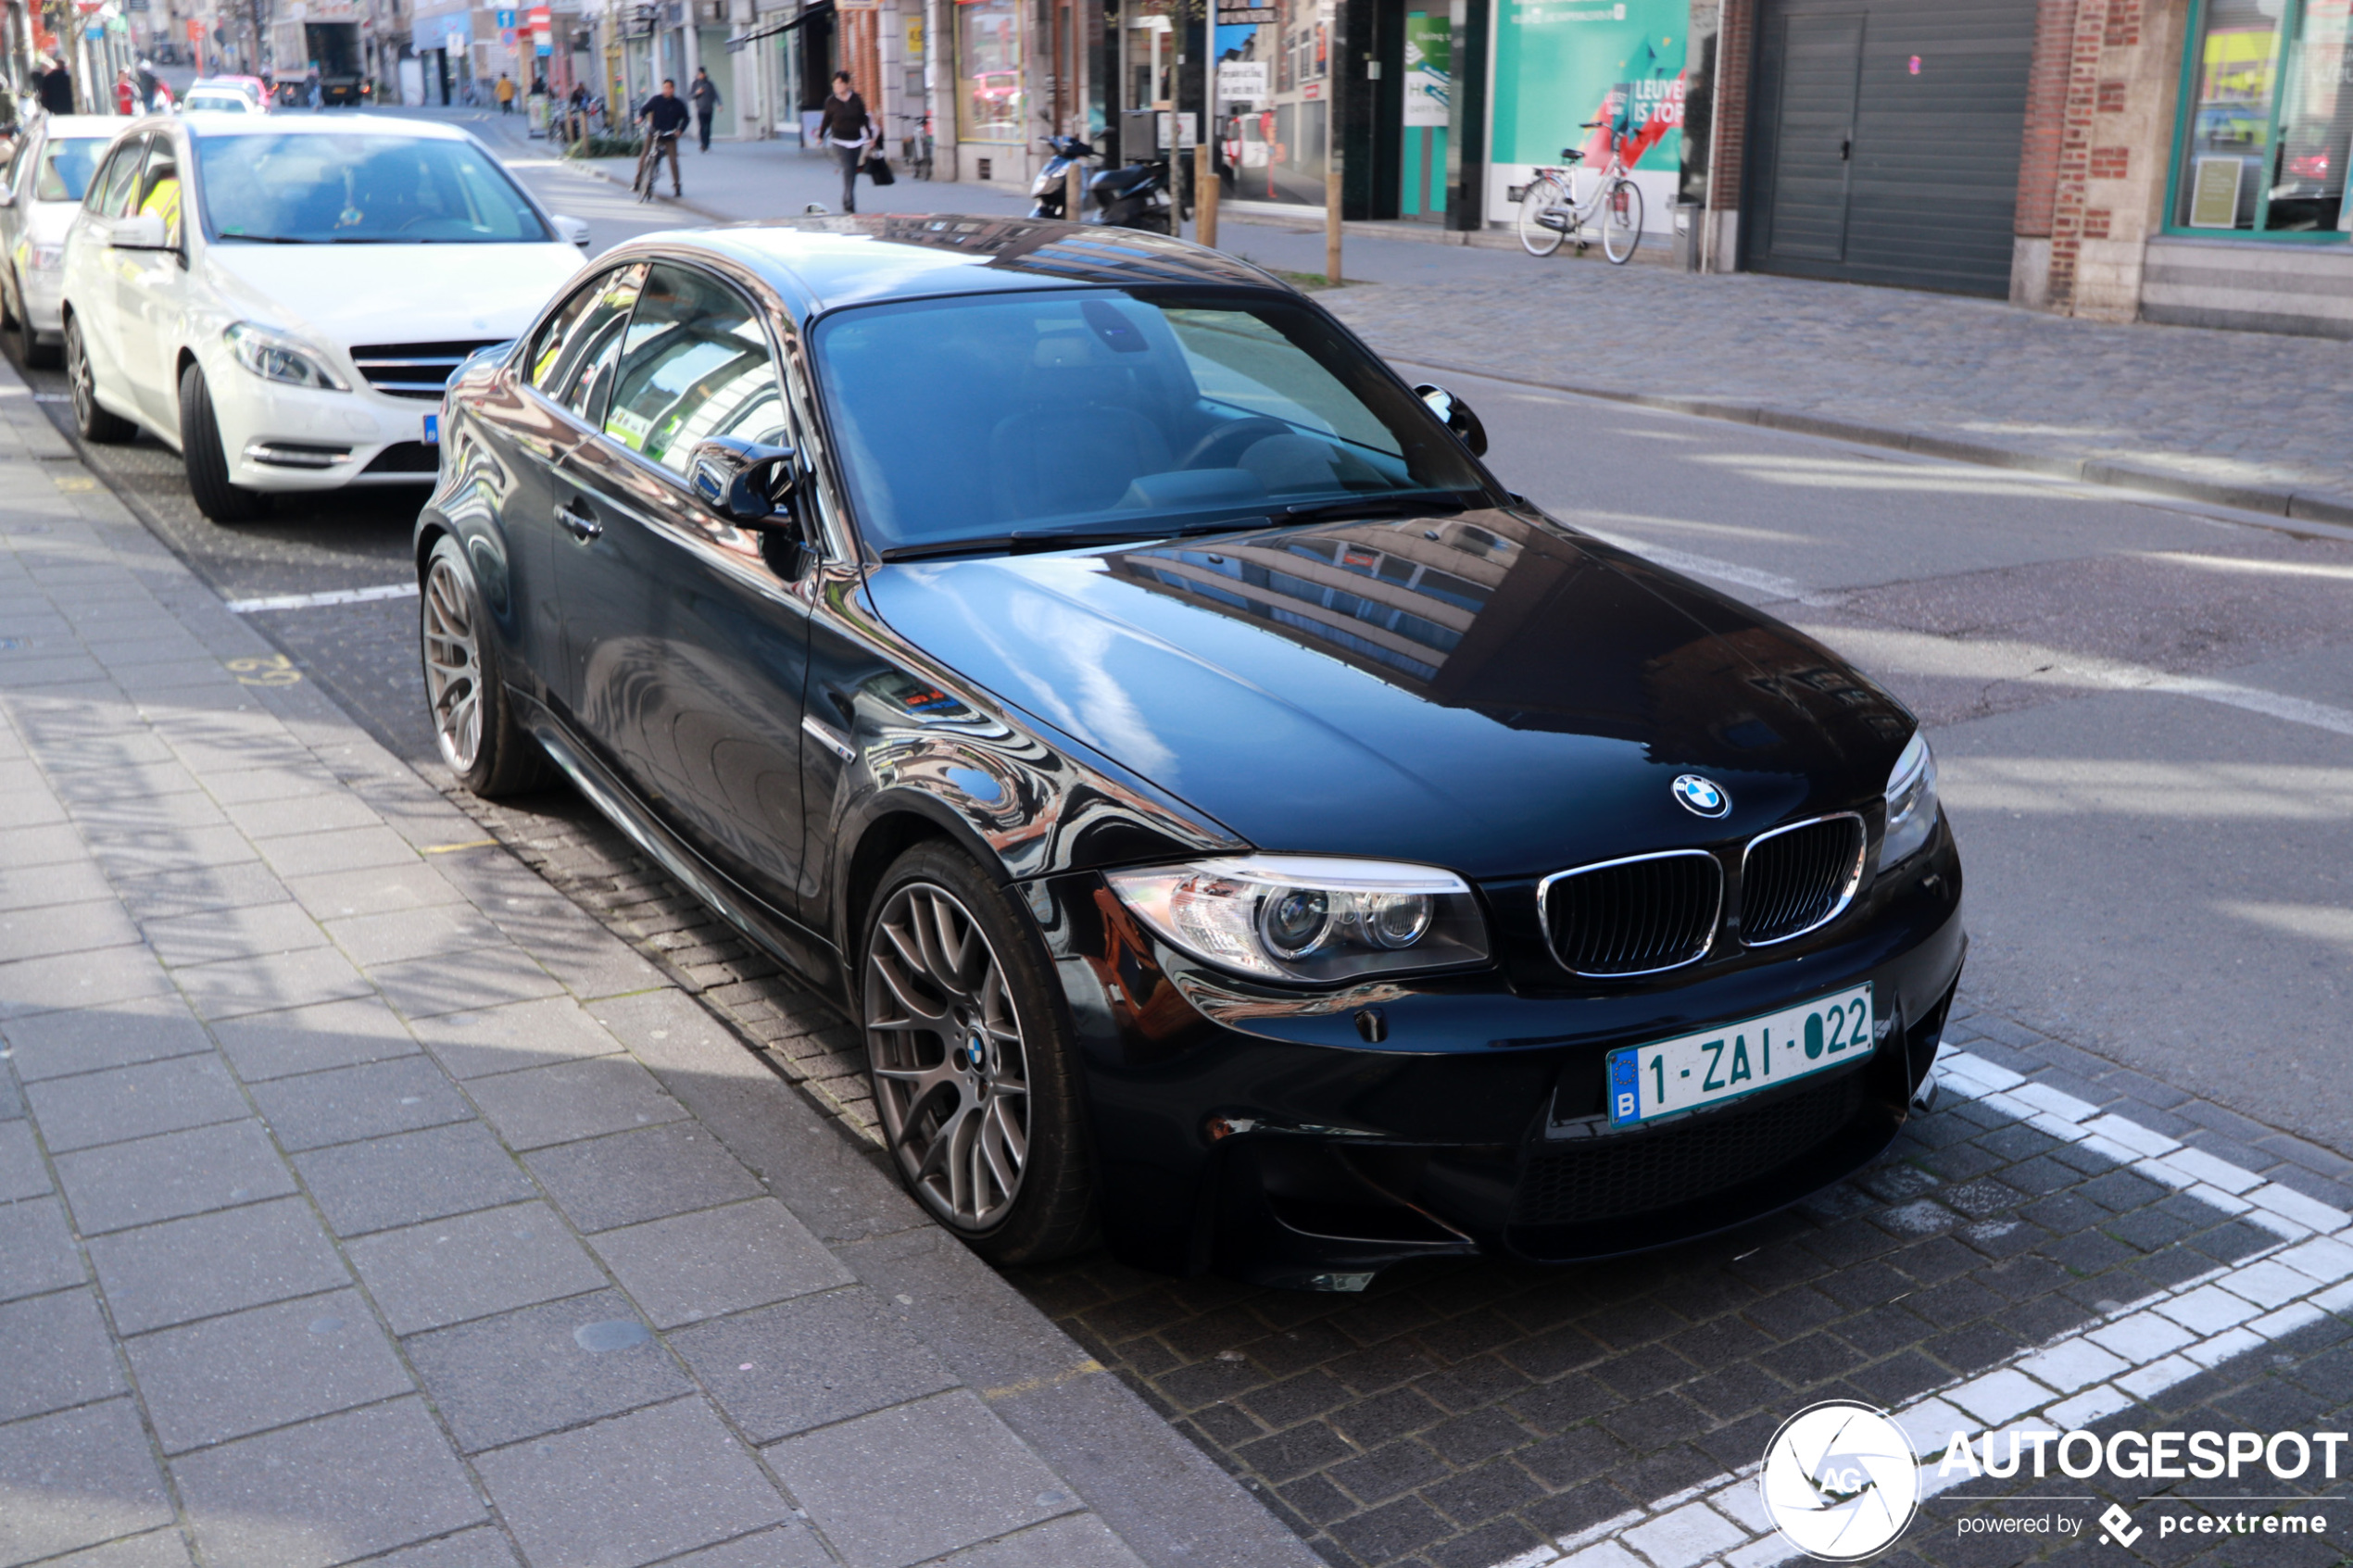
[1241, 81]
[1249, 16]
[196, 29]
[506, 21]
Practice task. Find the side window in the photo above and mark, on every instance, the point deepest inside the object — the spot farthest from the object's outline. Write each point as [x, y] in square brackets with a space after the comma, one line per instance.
[694, 364]
[572, 358]
[159, 188]
[111, 195]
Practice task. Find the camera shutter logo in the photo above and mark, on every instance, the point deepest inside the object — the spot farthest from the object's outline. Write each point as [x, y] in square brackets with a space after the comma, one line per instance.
[1840, 1482]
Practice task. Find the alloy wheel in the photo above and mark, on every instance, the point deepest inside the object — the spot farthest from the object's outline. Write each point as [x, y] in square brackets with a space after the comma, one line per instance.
[950, 1072]
[79, 385]
[453, 667]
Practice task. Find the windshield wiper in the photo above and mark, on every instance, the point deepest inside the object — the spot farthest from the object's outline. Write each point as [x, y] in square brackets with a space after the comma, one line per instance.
[273, 240]
[1022, 542]
[1397, 503]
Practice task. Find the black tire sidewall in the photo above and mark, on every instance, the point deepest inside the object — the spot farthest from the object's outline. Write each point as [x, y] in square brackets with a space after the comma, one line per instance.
[202, 455]
[508, 761]
[1054, 1213]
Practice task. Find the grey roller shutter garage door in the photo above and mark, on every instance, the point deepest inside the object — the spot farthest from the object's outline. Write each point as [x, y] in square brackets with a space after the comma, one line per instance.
[1883, 144]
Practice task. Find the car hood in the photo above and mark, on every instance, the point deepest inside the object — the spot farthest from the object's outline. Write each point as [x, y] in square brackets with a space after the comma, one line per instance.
[1493, 692]
[47, 223]
[391, 293]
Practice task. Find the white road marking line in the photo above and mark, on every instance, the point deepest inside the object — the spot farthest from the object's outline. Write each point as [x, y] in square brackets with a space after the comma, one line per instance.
[332, 597]
[2073, 1380]
[2114, 674]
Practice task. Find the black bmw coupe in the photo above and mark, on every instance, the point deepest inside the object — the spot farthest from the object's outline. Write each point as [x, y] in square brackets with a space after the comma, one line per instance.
[1243, 829]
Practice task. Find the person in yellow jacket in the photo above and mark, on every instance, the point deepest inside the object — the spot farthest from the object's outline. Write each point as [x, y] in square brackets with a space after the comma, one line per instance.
[506, 93]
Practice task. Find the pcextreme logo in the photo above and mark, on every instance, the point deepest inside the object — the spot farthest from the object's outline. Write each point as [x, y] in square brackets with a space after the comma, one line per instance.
[1840, 1482]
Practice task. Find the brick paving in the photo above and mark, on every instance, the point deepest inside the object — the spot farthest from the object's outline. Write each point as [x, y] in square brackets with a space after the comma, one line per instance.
[363, 1198]
[1458, 1415]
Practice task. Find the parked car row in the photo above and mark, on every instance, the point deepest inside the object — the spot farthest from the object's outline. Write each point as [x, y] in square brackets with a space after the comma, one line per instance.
[1243, 828]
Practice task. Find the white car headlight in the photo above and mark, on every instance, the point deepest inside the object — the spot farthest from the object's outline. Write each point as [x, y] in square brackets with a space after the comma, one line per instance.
[1911, 803]
[1309, 918]
[44, 258]
[275, 357]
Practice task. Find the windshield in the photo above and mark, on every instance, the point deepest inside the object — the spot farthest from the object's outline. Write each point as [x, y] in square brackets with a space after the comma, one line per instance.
[360, 189]
[1109, 411]
[66, 167]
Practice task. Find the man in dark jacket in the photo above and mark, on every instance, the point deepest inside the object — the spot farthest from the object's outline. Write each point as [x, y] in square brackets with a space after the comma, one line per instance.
[56, 88]
[665, 117]
[847, 133]
[705, 93]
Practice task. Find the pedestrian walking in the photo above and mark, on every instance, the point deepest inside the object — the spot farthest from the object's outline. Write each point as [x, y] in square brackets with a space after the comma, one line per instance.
[147, 85]
[505, 90]
[126, 93]
[312, 94]
[705, 93]
[665, 118]
[846, 128]
[57, 88]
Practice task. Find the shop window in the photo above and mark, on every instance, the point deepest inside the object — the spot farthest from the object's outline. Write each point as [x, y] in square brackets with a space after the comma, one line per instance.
[988, 59]
[2269, 106]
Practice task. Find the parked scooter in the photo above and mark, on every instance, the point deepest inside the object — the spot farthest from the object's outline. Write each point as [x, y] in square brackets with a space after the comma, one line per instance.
[1136, 195]
[1053, 180]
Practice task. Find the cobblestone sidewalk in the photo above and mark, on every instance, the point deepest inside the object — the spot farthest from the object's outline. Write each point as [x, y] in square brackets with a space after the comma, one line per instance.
[2238, 419]
[361, 1200]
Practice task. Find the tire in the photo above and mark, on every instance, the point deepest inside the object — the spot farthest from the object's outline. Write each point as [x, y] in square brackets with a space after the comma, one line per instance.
[473, 718]
[95, 423]
[208, 463]
[1539, 197]
[1621, 221]
[31, 353]
[969, 1052]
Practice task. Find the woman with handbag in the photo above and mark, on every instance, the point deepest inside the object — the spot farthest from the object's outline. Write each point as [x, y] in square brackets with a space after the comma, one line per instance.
[847, 133]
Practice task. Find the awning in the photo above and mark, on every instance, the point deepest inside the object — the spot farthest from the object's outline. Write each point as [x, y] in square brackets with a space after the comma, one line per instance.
[770, 30]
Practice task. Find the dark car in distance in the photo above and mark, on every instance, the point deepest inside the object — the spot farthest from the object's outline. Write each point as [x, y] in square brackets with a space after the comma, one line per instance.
[1244, 830]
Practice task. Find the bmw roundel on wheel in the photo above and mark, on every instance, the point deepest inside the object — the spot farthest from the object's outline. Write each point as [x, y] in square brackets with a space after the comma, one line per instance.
[1244, 831]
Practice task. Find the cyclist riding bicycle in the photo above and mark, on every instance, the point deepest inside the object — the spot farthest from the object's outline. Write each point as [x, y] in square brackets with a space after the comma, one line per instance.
[665, 117]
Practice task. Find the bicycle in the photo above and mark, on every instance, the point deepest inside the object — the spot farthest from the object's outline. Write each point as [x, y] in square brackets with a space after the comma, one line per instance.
[649, 156]
[914, 147]
[1550, 212]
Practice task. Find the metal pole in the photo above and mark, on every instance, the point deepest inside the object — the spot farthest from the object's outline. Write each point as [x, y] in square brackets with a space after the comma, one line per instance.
[1205, 196]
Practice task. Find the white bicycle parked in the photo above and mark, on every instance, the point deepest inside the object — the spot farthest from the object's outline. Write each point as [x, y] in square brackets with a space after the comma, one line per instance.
[1550, 212]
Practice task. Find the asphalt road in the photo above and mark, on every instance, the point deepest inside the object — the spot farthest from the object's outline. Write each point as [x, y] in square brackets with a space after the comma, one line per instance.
[2139, 711]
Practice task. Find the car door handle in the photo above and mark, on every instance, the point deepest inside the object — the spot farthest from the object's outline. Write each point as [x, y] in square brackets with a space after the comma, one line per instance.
[579, 524]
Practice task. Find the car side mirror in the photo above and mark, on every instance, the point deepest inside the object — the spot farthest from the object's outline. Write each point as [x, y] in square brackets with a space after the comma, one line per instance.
[142, 231]
[744, 483]
[574, 229]
[1455, 415]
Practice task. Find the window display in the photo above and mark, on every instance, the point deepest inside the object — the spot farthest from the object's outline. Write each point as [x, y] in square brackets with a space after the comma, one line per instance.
[989, 61]
[2269, 119]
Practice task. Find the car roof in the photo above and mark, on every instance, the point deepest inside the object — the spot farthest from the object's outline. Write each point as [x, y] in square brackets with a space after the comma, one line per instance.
[80, 127]
[323, 125]
[820, 264]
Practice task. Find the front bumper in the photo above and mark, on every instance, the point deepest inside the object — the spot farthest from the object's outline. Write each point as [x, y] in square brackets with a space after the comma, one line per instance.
[290, 438]
[1263, 1138]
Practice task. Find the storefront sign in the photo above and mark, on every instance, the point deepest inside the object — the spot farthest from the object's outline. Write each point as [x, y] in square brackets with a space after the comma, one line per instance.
[1249, 16]
[1430, 45]
[1241, 81]
[1559, 63]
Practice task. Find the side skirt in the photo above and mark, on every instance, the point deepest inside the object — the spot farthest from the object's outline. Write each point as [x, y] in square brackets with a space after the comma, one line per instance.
[783, 938]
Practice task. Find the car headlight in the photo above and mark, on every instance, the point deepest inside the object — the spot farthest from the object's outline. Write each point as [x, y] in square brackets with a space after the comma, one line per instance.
[1309, 918]
[275, 357]
[44, 258]
[1911, 803]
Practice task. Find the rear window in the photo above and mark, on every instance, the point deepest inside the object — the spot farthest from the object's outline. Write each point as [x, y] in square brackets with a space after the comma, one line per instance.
[66, 167]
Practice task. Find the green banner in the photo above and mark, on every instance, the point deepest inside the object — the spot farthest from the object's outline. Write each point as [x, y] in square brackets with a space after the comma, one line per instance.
[1559, 63]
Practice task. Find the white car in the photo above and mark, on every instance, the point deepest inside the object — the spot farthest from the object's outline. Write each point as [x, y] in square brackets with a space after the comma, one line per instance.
[39, 194]
[216, 100]
[283, 297]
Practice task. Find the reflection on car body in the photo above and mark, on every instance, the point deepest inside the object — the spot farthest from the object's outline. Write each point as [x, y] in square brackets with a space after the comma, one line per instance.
[1241, 826]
